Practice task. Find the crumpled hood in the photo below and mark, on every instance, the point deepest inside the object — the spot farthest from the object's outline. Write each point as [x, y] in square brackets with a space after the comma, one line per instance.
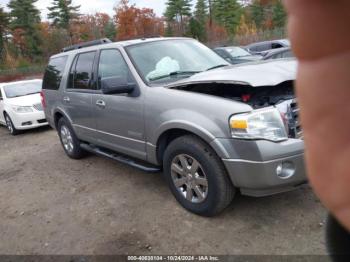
[266, 73]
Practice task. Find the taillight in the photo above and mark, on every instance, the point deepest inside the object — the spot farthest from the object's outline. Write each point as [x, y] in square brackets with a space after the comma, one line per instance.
[43, 101]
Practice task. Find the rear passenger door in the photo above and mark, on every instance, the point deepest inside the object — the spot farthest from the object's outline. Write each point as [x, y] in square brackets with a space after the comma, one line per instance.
[119, 117]
[77, 98]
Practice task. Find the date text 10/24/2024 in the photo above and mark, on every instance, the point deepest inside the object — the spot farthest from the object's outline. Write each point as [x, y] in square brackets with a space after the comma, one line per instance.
[173, 258]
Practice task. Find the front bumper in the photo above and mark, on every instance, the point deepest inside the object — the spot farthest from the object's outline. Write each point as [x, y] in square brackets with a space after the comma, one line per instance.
[261, 179]
[262, 168]
[28, 120]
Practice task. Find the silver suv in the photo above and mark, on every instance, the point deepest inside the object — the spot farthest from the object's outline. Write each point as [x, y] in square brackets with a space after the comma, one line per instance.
[172, 104]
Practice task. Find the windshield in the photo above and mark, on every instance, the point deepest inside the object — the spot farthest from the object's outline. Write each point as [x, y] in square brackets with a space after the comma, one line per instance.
[237, 51]
[22, 89]
[170, 60]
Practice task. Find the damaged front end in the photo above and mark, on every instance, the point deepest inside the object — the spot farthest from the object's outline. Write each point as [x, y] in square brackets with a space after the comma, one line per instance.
[281, 96]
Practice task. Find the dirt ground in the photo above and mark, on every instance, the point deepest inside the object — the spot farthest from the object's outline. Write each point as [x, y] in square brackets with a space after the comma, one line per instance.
[50, 204]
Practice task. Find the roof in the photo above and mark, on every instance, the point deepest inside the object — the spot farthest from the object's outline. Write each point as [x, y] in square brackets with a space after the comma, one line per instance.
[265, 73]
[284, 42]
[121, 44]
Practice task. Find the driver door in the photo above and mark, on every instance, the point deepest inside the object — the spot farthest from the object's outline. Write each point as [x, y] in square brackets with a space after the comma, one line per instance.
[119, 117]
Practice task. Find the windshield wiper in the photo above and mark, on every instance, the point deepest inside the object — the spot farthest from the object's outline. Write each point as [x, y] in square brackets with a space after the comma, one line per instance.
[215, 67]
[176, 73]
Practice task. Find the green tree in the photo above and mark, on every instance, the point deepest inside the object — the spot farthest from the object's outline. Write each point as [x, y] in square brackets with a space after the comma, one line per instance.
[24, 24]
[178, 10]
[198, 25]
[111, 30]
[3, 31]
[227, 13]
[201, 11]
[62, 12]
[257, 13]
[279, 16]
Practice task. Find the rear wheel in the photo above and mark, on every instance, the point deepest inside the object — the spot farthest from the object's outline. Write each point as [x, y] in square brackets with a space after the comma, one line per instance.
[197, 177]
[69, 140]
[13, 131]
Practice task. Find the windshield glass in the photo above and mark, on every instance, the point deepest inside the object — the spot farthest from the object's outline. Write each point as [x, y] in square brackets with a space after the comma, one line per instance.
[237, 51]
[22, 89]
[170, 60]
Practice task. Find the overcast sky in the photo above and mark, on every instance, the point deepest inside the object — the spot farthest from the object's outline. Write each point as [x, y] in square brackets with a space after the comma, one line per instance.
[105, 6]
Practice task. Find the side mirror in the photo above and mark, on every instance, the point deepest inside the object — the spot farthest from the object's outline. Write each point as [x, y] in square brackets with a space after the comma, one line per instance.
[116, 85]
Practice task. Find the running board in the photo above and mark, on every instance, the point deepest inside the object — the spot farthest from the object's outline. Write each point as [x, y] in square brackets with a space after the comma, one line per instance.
[122, 159]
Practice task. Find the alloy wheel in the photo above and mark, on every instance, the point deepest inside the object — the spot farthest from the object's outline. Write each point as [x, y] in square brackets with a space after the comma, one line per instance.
[67, 139]
[189, 178]
[9, 124]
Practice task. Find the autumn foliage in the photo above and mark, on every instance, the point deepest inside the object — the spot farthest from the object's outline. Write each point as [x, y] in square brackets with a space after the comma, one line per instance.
[133, 22]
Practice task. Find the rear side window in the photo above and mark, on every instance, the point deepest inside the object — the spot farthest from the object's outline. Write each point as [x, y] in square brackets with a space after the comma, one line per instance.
[54, 72]
[81, 75]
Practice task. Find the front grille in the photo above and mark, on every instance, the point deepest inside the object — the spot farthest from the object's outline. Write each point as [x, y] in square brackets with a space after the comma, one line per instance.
[295, 129]
[38, 107]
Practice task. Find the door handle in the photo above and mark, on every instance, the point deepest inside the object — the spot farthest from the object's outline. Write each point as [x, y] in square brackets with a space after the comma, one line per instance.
[101, 103]
[66, 99]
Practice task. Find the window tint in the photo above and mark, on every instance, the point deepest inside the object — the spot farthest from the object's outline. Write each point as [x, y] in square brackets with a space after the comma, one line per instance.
[81, 73]
[112, 64]
[54, 72]
[276, 45]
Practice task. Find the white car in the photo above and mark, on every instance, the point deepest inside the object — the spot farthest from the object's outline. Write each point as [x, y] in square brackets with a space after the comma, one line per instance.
[20, 105]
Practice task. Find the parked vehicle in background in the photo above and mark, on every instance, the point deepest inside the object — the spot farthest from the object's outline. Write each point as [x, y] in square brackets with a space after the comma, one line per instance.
[236, 55]
[173, 104]
[20, 105]
[279, 53]
[261, 48]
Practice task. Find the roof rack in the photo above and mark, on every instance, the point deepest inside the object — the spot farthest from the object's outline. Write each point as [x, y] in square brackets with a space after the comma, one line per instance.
[87, 44]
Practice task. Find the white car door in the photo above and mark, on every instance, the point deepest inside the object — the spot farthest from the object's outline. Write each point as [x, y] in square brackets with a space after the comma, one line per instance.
[2, 119]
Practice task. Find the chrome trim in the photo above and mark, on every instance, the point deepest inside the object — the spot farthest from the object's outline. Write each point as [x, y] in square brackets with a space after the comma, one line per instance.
[150, 144]
[261, 162]
[102, 132]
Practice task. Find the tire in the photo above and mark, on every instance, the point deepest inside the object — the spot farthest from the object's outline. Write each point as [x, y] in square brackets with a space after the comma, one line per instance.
[210, 189]
[69, 140]
[9, 124]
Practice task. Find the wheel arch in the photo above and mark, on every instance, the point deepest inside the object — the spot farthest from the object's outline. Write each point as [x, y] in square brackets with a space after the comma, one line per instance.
[175, 131]
[57, 115]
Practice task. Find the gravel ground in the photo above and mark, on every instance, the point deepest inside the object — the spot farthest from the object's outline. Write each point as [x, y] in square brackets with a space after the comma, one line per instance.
[50, 204]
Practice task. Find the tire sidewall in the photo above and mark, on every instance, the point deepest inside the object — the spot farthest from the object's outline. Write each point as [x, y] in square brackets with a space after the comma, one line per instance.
[210, 168]
[76, 153]
[8, 121]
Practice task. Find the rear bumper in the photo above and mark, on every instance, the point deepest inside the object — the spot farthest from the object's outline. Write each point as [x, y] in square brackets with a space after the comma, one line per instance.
[261, 179]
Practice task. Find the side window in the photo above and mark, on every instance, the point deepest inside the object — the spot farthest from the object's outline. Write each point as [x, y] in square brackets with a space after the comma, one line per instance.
[276, 45]
[113, 65]
[54, 73]
[81, 72]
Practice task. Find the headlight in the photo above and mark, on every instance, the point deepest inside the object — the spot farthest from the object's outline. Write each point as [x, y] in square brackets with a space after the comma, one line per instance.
[22, 109]
[260, 124]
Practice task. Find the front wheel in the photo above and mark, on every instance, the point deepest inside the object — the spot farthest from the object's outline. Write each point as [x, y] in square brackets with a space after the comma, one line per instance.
[197, 177]
[69, 140]
[12, 129]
